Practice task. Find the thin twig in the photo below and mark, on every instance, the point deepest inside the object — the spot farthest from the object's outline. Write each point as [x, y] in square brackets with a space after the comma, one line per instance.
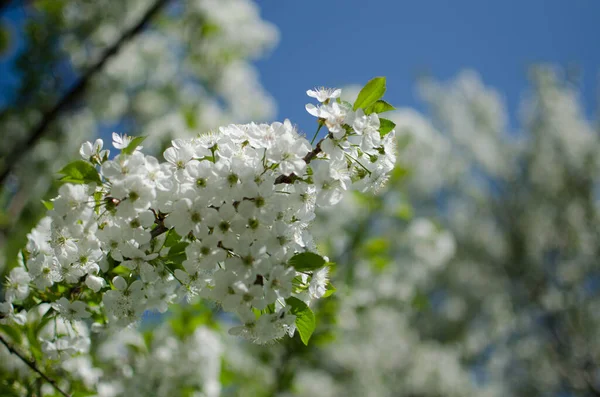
[158, 230]
[307, 159]
[4, 4]
[31, 364]
[78, 88]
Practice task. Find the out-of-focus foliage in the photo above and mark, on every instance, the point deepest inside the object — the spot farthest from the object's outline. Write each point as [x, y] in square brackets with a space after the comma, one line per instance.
[488, 284]
[189, 69]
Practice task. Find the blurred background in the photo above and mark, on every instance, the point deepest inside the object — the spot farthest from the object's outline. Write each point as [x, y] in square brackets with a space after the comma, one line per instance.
[473, 273]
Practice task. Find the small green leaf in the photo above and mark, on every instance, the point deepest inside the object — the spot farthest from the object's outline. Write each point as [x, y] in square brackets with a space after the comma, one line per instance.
[135, 142]
[178, 248]
[385, 126]
[379, 106]
[306, 261]
[177, 252]
[330, 290]
[48, 204]
[305, 318]
[80, 172]
[13, 333]
[121, 271]
[172, 238]
[370, 93]
[98, 201]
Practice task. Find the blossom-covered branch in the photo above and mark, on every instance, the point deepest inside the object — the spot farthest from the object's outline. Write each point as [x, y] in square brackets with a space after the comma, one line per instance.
[131, 234]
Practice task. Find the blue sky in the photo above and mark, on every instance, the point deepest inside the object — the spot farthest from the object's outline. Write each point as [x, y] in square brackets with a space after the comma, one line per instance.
[337, 42]
[334, 43]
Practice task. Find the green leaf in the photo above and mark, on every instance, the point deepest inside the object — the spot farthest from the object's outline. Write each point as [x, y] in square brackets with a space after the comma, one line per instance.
[135, 142]
[172, 238]
[177, 252]
[305, 318]
[330, 290]
[385, 126]
[48, 204]
[121, 271]
[80, 172]
[13, 333]
[98, 201]
[306, 261]
[379, 106]
[370, 93]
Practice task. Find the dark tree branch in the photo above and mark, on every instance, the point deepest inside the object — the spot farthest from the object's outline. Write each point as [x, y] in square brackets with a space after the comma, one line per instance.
[4, 4]
[158, 230]
[78, 88]
[31, 364]
[307, 159]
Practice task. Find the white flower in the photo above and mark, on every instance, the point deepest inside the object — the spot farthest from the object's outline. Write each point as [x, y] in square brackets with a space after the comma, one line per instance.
[124, 304]
[17, 284]
[191, 216]
[289, 150]
[322, 94]
[95, 283]
[71, 310]
[87, 149]
[318, 283]
[121, 141]
[335, 115]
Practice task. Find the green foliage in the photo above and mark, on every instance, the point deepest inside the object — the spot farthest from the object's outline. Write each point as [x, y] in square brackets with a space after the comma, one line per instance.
[307, 261]
[305, 318]
[370, 93]
[177, 252]
[420, 301]
[80, 171]
[376, 246]
[379, 106]
[210, 29]
[12, 332]
[172, 238]
[48, 204]
[385, 126]
[330, 290]
[135, 142]
[186, 318]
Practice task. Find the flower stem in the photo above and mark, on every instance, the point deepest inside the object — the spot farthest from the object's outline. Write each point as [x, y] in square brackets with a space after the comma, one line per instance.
[317, 132]
[31, 364]
[358, 162]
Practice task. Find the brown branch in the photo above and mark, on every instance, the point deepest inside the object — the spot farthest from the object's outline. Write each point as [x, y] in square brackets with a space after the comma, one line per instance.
[31, 364]
[307, 159]
[158, 230]
[4, 4]
[78, 88]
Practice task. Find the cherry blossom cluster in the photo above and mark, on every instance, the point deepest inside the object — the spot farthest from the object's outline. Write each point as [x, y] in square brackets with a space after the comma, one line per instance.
[224, 218]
